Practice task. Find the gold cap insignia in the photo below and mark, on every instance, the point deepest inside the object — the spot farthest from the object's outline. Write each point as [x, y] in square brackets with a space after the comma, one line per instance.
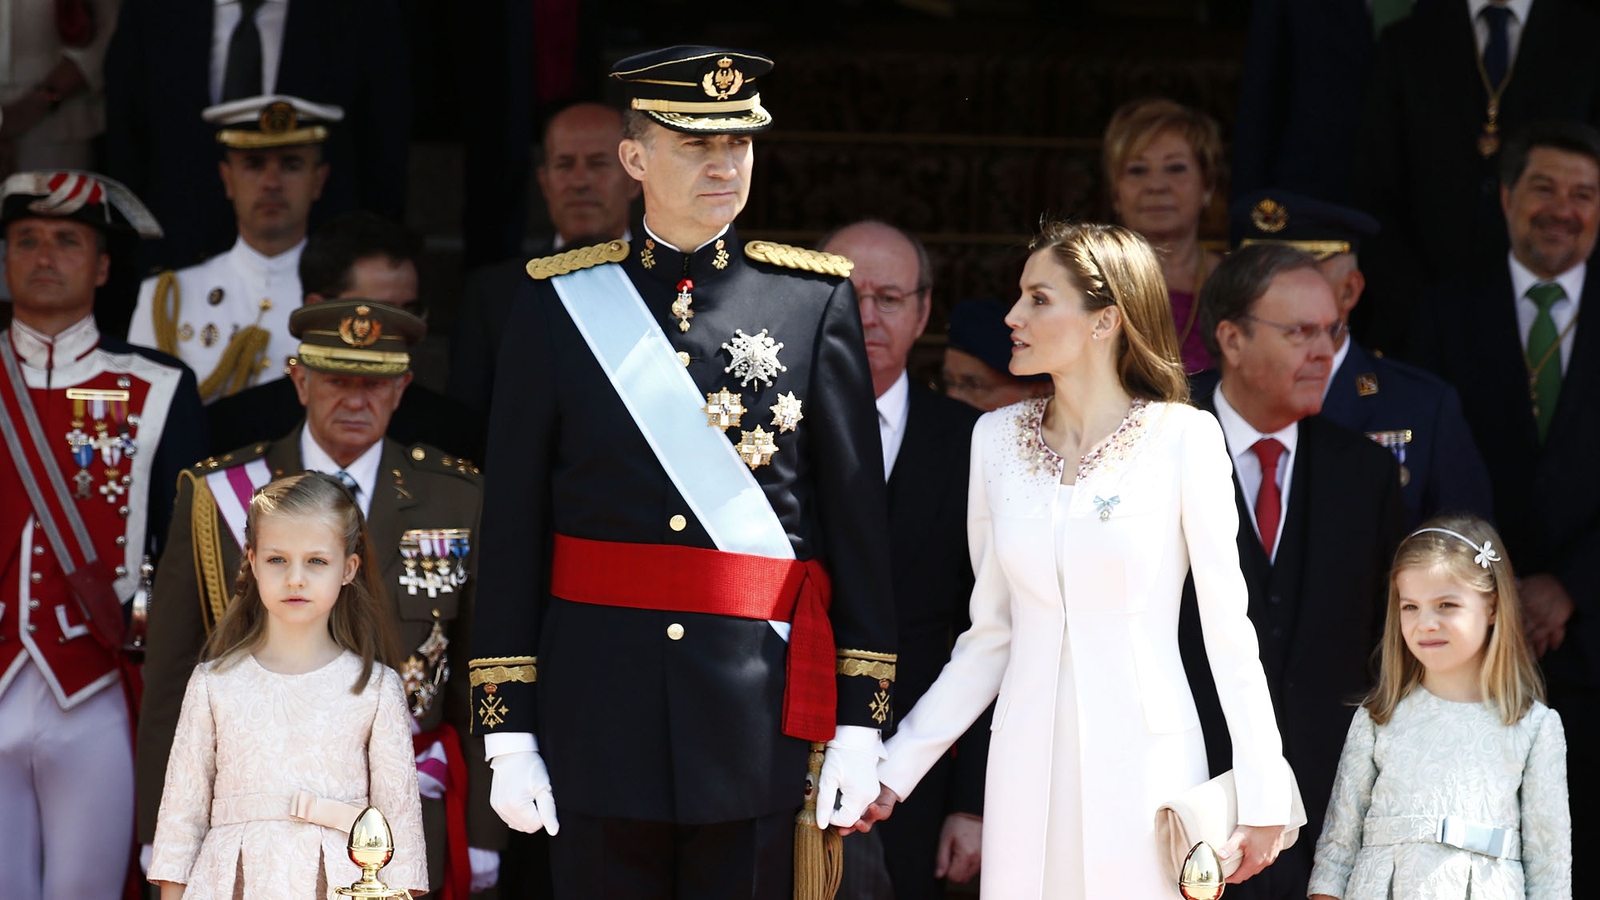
[723, 80]
[1270, 216]
[279, 117]
[359, 330]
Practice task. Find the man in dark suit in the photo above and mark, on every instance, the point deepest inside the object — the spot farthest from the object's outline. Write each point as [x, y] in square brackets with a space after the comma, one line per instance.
[1448, 84]
[1300, 96]
[588, 196]
[927, 443]
[169, 59]
[1320, 513]
[688, 468]
[1529, 375]
[1411, 412]
[358, 255]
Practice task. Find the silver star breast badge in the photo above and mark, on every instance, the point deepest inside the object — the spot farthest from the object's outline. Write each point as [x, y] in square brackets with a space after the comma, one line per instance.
[755, 357]
[786, 413]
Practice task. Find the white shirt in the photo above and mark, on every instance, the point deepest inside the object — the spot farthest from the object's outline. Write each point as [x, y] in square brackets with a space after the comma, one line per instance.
[269, 22]
[1562, 312]
[1333, 369]
[1480, 25]
[893, 408]
[56, 355]
[364, 469]
[245, 278]
[1241, 436]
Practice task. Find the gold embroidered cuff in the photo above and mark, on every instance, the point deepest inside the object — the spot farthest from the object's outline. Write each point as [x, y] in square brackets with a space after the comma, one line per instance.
[879, 666]
[504, 669]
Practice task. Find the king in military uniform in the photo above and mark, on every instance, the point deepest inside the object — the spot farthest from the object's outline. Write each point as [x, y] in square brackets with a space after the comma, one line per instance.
[684, 588]
[95, 434]
[228, 316]
[421, 508]
[1412, 413]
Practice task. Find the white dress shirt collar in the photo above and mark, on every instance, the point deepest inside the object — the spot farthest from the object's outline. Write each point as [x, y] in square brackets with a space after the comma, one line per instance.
[1240, 436]
[658, 239]
[253, 262]
[893, 409]
[364, 469]
[270, 20]
[37, 350]
[1480, 25]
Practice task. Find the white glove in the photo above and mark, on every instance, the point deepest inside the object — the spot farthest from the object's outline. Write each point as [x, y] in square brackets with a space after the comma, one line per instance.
[520, 792]
[849, 775]
[485, 868]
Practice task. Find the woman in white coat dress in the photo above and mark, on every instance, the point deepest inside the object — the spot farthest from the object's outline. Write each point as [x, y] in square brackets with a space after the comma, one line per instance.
[1080, 568]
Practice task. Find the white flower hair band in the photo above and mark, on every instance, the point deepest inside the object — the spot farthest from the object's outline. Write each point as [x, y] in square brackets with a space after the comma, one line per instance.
[1485, 554]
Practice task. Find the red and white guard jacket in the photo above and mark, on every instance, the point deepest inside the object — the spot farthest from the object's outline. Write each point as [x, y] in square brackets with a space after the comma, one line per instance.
[103, 407]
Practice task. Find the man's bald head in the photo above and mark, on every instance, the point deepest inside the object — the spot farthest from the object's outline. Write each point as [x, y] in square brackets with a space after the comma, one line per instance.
[584, 185]
[893, 280]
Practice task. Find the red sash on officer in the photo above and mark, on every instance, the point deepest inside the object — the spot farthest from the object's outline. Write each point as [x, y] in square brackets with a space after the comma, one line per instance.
[458, 867]
[671, 578]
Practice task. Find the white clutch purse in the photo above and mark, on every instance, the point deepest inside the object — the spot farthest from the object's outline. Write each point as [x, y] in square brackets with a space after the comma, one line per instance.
[1210, 813]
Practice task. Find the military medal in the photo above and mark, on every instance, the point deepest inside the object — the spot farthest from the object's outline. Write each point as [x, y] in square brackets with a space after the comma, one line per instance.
[724, 409]
[425, 672]
[756, 448]
[680, 306]
[215, 297]
[1395, 442]
[720, 261]
[112, 439]
[755, 357]
[208, 334]
[786, 413]
[431, 560]
[648, 257]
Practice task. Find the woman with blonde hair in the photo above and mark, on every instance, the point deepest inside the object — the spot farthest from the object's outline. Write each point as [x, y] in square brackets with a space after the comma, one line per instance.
[1162, 162]
[1086, 511]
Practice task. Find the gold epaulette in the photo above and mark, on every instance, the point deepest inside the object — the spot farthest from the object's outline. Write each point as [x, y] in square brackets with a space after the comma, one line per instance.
[458, 465]
[573, 260]
[799, 258]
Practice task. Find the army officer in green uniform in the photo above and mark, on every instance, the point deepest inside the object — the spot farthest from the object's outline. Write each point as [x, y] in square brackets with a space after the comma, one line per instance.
[422, 510]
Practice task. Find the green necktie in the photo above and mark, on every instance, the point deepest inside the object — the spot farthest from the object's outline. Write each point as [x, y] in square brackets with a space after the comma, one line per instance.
[1385, 12]
[1544, 355]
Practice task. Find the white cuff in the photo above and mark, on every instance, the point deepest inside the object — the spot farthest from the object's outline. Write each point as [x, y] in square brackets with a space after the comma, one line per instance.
[860, 738]
[503, 742]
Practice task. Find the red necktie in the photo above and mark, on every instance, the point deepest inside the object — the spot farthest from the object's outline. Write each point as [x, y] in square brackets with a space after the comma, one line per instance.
[1268, 500]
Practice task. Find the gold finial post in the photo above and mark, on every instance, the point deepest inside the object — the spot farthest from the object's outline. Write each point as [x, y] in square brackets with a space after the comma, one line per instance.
[1201, 876]
[371, 846]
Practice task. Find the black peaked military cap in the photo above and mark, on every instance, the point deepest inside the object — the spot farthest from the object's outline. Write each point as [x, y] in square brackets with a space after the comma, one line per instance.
[85, 197]
[356, 337]
[697, 89]
[1318, 227]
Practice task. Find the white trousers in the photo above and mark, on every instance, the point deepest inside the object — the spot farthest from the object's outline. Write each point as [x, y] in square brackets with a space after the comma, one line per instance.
[66, 793]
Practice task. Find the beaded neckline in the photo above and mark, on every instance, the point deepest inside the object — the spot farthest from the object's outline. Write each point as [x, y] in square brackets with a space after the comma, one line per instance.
[1041, 459]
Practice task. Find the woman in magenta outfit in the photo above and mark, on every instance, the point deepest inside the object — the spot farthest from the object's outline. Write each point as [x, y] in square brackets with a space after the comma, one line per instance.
[1162, 161]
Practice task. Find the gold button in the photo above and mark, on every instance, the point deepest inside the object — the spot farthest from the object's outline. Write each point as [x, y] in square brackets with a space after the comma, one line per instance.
[677, 523]
[683, 357]
[675, 631]
[417, 453]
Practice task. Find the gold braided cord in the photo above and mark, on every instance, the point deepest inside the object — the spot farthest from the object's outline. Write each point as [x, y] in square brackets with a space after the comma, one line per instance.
[818, 852]
[503, 674]
[502, 661]
[845, 653]
[573, 260]
[239, 363]
[877, 671]
[696, 107]
[245, 139]
[165, 314]
[205, 535]
[791, 257]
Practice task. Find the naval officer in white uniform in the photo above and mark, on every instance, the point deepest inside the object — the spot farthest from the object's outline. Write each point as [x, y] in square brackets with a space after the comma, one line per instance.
[228, 317]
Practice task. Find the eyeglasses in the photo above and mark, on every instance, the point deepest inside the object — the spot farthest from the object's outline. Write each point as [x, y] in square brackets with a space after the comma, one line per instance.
[1300, 335]
[892, 302]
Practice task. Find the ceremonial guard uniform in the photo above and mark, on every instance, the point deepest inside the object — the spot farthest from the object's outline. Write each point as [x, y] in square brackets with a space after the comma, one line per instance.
[1412, 413]
[684, 456]
[421, 509]
[228, 317]
[96, 432]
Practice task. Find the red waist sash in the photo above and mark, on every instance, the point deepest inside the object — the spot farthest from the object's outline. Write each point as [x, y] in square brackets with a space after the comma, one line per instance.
[458, 867]
[670, 578]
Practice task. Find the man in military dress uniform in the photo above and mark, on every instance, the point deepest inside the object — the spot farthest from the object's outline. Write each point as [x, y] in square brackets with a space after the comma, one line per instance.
[685, 573]
[1414, 414]
[421, 507]
[95, 434]
[228, 316]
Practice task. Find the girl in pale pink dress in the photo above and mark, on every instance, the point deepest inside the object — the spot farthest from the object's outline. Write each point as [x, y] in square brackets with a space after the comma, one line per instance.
[293, 723]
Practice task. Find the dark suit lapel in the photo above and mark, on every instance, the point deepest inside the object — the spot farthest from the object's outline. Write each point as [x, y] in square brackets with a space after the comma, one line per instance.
[1457, 59]
[909, 497]
[1253, 560]
[391, 499]
[1577, 392]
[1495, 320]
[1318, 485]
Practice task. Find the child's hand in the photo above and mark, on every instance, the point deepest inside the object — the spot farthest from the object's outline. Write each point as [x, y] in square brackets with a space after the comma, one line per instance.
[1259, 845]
[171, 890]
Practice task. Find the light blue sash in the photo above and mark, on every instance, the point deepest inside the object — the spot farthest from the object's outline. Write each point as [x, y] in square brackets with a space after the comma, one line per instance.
[666, 405]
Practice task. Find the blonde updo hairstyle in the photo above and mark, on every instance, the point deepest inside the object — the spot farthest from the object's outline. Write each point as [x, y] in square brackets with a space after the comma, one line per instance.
[1114, 266]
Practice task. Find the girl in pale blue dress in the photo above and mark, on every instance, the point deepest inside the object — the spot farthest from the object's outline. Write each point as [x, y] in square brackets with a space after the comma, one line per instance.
[1453, 781]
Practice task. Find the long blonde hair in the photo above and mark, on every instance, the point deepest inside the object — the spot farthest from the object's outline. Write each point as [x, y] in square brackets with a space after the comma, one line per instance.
[361, 621]
[1114, 266]
[1508, 677]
